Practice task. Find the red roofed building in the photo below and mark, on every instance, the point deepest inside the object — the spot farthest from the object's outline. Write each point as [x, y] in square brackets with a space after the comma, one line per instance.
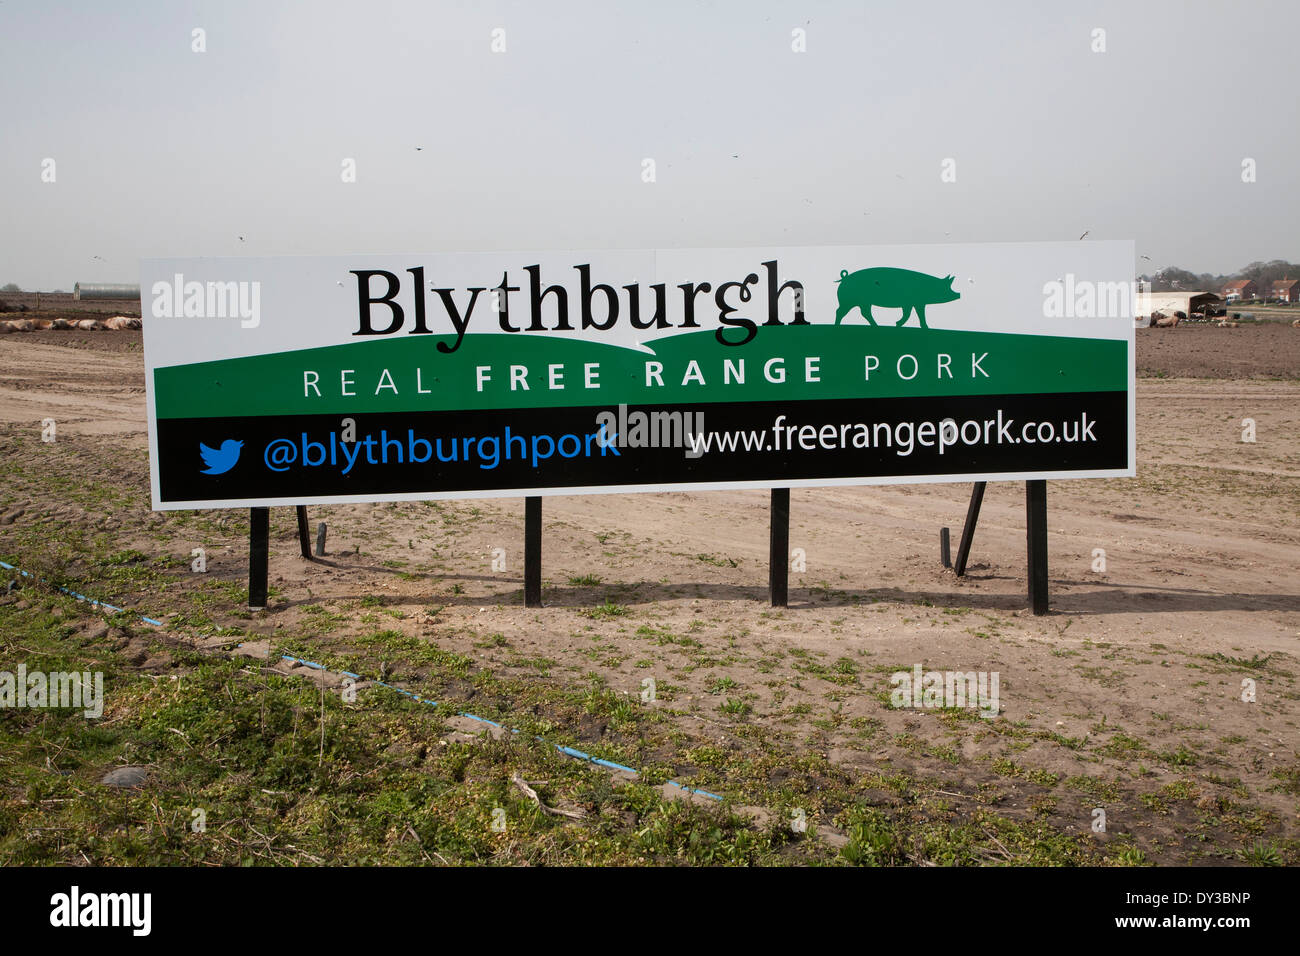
[1240, 289]
[1288, 290]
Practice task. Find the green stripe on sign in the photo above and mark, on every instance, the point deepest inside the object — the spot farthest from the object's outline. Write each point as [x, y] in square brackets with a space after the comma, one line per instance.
[789, 363]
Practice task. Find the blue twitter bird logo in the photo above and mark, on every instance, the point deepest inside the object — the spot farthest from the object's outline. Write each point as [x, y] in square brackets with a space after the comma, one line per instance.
[220, 460]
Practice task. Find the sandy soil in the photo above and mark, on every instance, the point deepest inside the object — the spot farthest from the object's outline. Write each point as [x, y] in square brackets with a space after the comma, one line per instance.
[1134, 680]
[1263, 350]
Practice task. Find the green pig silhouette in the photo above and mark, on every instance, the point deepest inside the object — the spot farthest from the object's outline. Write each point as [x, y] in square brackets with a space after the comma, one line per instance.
[892, 289]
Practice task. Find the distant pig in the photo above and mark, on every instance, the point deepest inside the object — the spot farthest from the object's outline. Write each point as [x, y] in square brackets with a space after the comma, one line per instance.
[892, 289]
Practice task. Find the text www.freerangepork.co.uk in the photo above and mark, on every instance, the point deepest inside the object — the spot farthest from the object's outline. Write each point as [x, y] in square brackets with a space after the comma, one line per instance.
[902, 437]
[488, 452]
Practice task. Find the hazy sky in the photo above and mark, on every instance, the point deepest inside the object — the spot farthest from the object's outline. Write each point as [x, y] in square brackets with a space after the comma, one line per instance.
[162, 151]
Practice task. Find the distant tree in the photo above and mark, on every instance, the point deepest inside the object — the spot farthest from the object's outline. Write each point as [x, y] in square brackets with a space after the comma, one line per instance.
[10, 287]
[1173, 279]
[1180, 280]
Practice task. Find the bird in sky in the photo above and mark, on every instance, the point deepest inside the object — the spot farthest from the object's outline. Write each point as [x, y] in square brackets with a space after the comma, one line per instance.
[1085, 233]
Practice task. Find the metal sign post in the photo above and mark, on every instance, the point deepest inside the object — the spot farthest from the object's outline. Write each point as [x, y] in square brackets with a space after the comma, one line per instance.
[778, 559]
[304, 534]
[1035, 533]
[259, 550]
[968, 529]
[259, 544]
[533, 551]
[1036, 536]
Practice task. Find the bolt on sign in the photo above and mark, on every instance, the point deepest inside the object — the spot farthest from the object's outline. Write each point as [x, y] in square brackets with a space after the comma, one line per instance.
[387, 378]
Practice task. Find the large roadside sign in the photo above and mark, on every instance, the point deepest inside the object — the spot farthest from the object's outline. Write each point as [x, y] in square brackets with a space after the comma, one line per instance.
[384, 378]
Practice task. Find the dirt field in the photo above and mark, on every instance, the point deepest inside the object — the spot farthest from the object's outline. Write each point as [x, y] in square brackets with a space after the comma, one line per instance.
[62, 305]
[1263, 350]
[1127, 697]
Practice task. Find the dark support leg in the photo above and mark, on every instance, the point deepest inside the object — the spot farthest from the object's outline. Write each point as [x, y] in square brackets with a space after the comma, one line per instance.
[259, 543]
[968, 529]
[304, 535]
[320, 540]
[945, 548]
[779, 557]
[1036, 533]
[532, 552]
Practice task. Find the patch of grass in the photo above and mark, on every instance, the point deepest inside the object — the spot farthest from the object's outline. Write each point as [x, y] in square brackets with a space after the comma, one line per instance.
[129, 556]
[1180, 757]
[1106, 678]
[1009, 768]
[321, 620]
[605, 611]
[1045, 778]
[384, 786]
[1154, 802]
[1179, 790]
[1260, 854]
[662, 636]
[873, 841]
[1289, 780]
[736, 708]
[1253, 663]
[946, 754]
[707, 756]
[1122, 745]
[1094, 787]
[1130, 855]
